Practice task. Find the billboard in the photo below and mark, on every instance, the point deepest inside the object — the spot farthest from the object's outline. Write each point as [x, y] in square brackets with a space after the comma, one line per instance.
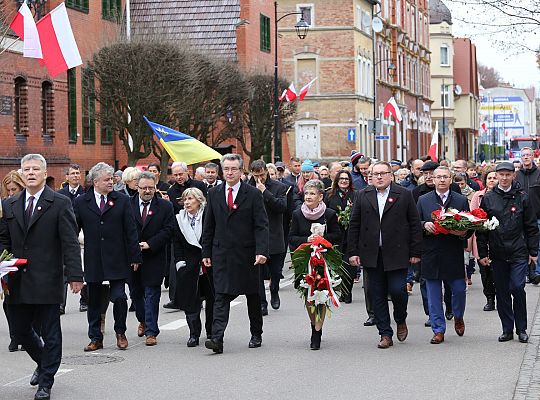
[503, 116]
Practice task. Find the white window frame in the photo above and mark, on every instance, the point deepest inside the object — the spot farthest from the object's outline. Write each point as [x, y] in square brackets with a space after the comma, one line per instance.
[445, 96]
[306, 5]
[444, 46]
[398, 12]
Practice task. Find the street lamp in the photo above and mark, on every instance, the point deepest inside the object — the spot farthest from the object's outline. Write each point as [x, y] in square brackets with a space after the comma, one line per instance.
[391, 70]
[301, 28]
[457, 90]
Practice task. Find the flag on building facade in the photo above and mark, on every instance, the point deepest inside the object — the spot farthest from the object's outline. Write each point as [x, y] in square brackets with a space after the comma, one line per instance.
[304, 90]
[289, 94]
[434, 146]
[391, 107]
[25, 27]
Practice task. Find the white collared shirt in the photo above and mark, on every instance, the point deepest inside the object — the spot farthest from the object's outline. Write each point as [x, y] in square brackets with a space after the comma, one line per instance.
[98, 198]
[141, 206]
[505, 190]
[443, 196]
[381, 200]
[36, 198]
[73, 190]
[235, 190]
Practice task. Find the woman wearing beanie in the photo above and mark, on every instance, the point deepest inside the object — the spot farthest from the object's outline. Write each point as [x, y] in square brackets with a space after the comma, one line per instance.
[307, 173]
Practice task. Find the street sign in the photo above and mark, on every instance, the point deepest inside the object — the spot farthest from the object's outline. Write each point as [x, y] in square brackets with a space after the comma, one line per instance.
[382, 137]
[351, 135]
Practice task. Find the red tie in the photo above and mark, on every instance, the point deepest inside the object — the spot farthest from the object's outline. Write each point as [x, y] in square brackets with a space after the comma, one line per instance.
[102, 203]
[230, 199]
[144, 212]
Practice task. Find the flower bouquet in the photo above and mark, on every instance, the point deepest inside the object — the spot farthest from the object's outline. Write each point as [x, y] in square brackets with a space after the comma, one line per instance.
[344, 215]
[454, 220]
[8, 265]
[319, 275]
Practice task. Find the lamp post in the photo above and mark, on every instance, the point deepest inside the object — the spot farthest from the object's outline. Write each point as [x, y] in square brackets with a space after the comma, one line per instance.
[443, 105]
[301, 28]
[391, 68]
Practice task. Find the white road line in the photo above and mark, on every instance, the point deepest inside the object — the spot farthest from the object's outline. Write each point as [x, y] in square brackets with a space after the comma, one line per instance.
[24, 381]
[172, 326]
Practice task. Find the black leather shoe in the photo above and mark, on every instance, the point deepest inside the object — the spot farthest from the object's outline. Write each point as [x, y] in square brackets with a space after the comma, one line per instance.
[256, 341]
[83, 307]
[13, 346]
[427, 324]
[370, 321]
[34, 380]
[171, 306]
[490, 306]
[523, 337]
[505, 337]
[62, 310]
[535, 280]
[193, 341]
[347, 299]
[264, 309]
[449, 314]
[214, 345]
[132, 307]
[43, 393]
[275, 301]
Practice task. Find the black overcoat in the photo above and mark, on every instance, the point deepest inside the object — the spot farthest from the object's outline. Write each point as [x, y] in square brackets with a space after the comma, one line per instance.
[400, 228]
[65, 191]
[301, 228]
[157, 231]
[111, 242]
[443, 256]
[232, 238]
[49, 244]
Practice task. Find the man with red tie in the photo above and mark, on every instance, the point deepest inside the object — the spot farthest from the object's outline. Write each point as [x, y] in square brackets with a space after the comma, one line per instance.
[234, 244]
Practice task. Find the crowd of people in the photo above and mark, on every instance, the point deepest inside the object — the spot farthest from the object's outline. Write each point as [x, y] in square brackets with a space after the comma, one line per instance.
[226, 230]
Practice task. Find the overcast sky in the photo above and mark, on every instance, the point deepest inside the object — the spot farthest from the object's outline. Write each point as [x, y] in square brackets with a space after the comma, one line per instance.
[497, 50]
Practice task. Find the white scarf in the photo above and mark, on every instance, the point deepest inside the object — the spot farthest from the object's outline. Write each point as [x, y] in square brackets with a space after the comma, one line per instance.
[192, 235]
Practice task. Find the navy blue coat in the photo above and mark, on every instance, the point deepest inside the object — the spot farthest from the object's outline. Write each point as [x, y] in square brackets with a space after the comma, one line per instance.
[65, 191]
[111, 242]
[443, 256]
[157, 231]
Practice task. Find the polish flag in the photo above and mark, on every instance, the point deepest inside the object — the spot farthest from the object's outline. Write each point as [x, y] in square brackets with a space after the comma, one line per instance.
[392, 108]
[289, 94]
[25, 27]
[484, 126]
[304, 90]
[434, 146]
[60, 51]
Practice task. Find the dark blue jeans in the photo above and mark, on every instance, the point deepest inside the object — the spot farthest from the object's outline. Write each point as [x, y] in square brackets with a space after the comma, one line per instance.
[146, 299]
[46, 354]
[120, 309]
[435, 301]
[510, 293]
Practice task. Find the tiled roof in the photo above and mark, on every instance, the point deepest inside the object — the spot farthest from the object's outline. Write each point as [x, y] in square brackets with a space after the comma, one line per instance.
[206, 25]
[438, 12]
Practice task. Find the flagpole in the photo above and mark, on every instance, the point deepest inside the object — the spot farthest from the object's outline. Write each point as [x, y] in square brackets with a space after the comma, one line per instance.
[128, 21]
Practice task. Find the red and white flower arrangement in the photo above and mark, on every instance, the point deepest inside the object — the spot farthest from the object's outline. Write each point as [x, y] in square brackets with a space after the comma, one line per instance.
[454, 220]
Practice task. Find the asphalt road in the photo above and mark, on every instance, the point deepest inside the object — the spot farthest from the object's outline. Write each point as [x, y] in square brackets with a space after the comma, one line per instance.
[349, 365]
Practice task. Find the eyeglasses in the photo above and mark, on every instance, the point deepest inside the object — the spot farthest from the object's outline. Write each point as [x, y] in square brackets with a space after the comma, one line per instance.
[232, 169]
[147, 188]
[380, 174]
[344, 179]
[442, 177]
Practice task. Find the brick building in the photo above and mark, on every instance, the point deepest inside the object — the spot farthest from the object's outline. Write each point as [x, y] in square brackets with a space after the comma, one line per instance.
[54, 117]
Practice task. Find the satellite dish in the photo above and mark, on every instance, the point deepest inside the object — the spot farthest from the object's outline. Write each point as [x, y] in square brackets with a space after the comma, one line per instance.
[457, 90]
[377, 24]
[366, 20]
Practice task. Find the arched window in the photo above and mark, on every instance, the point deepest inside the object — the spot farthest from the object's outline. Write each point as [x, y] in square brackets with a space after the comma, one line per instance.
[21, 107]
[47, 109]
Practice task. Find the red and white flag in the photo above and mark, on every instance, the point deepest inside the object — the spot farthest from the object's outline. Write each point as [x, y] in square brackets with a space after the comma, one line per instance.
[25, 27]
[289, 94]
[304, 90]
[392, 108]
[434, 146]
[60, 51]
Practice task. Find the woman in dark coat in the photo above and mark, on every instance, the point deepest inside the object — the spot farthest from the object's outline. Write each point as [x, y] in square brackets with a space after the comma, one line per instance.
[340, 199]
[193, 281]
[312, 211]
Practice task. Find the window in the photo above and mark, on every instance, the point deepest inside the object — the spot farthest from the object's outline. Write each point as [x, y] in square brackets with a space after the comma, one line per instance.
[398, 12]
[47, 109]
[21, 107]
[88, 106]
[444, 55]
[111, 9]
[307, 13]
[72, 105]
[445, 96]
[106, 135]
[81, 5]
[265, 33]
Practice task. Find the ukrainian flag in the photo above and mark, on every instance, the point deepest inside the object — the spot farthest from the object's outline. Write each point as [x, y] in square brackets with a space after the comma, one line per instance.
[182, 147]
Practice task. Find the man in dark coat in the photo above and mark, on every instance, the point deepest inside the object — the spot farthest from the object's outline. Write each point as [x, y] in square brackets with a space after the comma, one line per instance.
[442, 258]
[360, 166]
[111, 249]
[161, 186]
[38, 225]
[182, 182]
[155, 225]
[411, 181]
[275, 203]
[386, 236]
[509, 249]
[461, 166]
[234, 243]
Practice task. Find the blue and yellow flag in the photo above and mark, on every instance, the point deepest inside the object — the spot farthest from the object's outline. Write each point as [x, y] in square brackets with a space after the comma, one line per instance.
[182, 147]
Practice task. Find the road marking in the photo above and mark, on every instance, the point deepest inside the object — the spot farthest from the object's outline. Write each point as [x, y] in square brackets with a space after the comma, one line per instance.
[24, 381]
[172, 326]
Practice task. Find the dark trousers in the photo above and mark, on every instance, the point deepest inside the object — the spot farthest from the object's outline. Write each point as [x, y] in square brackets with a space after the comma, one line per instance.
[95, 306]
[6, 312]
[383, 283]
[470, 267]
[47, 353]
[510, 283]
[435, 300]
[222, 308]
[367, 295]
[273, 269]
[447, 297]
[146, 300]
[486, 273]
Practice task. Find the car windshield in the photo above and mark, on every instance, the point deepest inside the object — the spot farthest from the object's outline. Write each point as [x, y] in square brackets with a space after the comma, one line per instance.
[519, 144]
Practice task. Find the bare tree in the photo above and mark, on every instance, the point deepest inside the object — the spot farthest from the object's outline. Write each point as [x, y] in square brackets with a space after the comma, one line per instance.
[489, 77]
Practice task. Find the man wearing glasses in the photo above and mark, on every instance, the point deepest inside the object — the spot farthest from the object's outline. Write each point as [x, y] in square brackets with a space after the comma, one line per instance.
[442, 259]
[385, 236]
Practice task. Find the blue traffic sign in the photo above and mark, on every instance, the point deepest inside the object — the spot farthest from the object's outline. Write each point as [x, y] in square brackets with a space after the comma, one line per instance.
[351, 134]
[382, 137]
